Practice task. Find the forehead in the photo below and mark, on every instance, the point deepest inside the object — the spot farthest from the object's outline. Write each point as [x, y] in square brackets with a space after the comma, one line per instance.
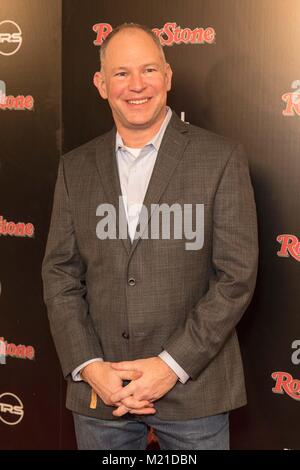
[131, 46]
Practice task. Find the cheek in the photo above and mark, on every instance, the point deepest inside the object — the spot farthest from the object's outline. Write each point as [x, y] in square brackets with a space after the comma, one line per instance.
[159, 87]
[116, 91]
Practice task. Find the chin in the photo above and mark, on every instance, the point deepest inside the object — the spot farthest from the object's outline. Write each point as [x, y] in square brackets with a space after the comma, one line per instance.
[139, 122]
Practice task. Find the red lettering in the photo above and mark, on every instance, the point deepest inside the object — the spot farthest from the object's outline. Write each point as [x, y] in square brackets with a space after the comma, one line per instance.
[19, 102]
[102, 30]
[168, 35]
[10, 102]
[292, 104]
[21, 351]
[29, 230]
[209, 35]
[197, 36]
[11, 349]
[157, 31]
[177, 35]
[281, 379]
[29, 352]
[28, 102]
[19, 230]
[167, 30]
[286, 383]
[186, 35]
[290, 245]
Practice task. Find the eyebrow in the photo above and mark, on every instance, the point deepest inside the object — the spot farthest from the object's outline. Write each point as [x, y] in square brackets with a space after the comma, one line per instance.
[124, 67]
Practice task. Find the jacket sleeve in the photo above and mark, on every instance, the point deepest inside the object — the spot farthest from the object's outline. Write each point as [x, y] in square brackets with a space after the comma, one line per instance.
[233, 274]
[64, 288]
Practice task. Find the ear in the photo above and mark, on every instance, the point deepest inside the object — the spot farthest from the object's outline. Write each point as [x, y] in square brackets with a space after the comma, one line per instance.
[168, 75]
[100, 84]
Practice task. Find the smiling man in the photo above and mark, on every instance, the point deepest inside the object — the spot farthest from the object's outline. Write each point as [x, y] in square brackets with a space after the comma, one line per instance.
[143, 326]
[135, 79]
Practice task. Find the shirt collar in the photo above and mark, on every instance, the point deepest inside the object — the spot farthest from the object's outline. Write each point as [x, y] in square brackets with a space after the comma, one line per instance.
[156, 139]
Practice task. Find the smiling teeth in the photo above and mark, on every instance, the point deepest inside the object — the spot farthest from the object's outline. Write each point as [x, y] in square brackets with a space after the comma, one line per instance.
[138, 101]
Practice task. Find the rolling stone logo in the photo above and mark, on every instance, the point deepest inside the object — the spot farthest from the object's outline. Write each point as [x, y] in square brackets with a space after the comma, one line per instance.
[11, 409]
[292, 100]
[290, 246]
[19, 229]
[285, 383]
[18, 351]
[10, 37]
[16, 103]
[168, 35]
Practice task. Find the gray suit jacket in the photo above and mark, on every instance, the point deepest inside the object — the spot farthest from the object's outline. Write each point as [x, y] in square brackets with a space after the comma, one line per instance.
[184, 301]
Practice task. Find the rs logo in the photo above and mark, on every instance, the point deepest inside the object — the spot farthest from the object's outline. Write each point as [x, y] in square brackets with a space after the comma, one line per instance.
[10, 37]
[7, 37]
[11, 409]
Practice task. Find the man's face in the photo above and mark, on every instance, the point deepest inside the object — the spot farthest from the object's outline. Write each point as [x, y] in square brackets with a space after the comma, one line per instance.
[135, 80]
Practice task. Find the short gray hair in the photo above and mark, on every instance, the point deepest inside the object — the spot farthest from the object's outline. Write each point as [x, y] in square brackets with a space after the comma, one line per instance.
[125, 26]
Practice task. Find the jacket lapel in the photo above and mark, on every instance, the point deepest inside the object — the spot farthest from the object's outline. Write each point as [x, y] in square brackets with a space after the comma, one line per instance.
[108, 169]
[169, 155]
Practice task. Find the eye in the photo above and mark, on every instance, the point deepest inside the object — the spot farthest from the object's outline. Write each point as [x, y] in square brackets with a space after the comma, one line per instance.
[150, 69]
[120, 74]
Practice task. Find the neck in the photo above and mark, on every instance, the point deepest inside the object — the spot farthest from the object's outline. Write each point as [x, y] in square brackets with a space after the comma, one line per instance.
[137, 138]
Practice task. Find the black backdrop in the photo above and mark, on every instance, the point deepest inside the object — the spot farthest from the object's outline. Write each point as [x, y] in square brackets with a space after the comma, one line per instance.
[238, 86]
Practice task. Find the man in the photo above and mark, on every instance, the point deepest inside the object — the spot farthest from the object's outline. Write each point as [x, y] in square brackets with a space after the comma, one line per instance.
[145, 326]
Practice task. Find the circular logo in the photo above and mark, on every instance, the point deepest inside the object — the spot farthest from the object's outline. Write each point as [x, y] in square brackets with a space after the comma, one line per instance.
[10, 37]
[11, 409]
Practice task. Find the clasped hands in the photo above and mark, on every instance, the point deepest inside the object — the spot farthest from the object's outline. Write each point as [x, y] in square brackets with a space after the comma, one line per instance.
[150, 379]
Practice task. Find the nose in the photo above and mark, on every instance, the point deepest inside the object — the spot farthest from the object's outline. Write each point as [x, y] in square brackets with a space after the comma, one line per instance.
[136, 82]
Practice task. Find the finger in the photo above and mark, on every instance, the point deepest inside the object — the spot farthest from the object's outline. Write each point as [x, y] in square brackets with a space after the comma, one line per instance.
[120, 411]
[130, 374]
[124, 393]
[136, 404]
[124, 365]
[144, 411]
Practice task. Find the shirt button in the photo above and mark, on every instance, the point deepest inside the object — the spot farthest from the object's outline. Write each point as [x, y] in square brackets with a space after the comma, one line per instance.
[125, 335]
[131, 281]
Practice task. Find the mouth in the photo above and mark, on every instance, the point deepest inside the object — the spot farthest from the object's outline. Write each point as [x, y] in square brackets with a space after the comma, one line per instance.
[138, 102]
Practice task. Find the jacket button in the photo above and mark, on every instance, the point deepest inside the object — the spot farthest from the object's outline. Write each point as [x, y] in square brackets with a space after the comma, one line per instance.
[125, 335]
[131, 281]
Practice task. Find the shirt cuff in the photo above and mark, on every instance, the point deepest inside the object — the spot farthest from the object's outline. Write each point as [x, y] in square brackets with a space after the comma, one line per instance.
[76, 372]
[182, 375]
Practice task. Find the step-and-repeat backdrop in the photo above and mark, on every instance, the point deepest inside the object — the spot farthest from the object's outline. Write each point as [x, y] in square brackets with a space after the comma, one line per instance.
[236, 72]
